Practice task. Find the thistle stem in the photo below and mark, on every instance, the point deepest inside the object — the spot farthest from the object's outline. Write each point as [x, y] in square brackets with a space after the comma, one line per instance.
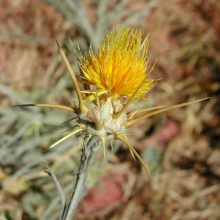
[91, 146]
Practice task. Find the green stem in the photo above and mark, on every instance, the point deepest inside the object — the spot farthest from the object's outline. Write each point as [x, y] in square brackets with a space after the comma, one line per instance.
[91, 145]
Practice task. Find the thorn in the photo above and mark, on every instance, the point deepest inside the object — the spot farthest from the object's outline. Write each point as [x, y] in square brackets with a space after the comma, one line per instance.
[68, 121]
[132, 155]
[70, 129]
[123, 139]
[82, 106]
[118, 114]
[47, 105]
[131, 114]
[132, 121]
[67, 136]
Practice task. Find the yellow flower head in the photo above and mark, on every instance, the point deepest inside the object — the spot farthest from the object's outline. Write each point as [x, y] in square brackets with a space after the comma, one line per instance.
[120, 65]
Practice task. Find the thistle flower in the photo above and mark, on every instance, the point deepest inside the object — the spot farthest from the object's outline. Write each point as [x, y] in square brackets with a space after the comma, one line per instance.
[120, 66]
[116, 76]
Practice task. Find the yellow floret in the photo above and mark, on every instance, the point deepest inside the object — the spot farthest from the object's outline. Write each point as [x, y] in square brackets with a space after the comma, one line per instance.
[120, 65]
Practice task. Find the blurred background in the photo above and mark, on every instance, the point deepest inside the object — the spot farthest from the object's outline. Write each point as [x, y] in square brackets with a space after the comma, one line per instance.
[181, 146]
